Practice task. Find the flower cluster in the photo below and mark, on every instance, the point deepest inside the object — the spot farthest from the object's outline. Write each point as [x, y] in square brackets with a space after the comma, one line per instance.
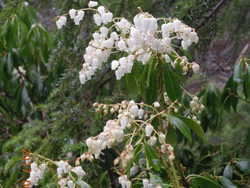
[36, 173]
[114, 129]
[140, 40]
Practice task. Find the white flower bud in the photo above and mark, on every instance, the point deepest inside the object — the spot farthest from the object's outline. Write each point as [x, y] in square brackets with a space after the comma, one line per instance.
[195, 67]
[101, 9]
[152, 141]
[162, 138]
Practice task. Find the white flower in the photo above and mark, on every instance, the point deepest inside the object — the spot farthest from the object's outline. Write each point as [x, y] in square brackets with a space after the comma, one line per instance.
[134, 110]
[121, 45]
[72, 13]
[76, 20]
[59, 24]
[101, 9]
[156, 104]
[124, 122]
[80, 14]
[98, 19]
[70, 183]
[149, 129]
[114, 64]
[63, 19]
[145, 183]
[177, 24]
[167, 58]
[140, 113]
[92, 4]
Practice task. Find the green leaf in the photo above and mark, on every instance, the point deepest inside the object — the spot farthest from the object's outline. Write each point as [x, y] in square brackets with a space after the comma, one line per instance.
[180, 125]
[226, 183]
[224, 150]
[171, 84]
[25, 97]
[228, 172]
[38, 87]
[130, 85]
[137, 152]
[238, 77]
[152, 157]
[171, 137]
[243, 165]
[204, 182]
[83, 184]
[247, 82]
[229, 100]
[154, 178]
[150, 70]
[194, 126]
[151, 92]
[74, 175]
[143, 78]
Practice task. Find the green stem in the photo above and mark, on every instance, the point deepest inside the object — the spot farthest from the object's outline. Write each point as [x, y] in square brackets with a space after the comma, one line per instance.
[170, 176]
[177, 163]
[174, 173]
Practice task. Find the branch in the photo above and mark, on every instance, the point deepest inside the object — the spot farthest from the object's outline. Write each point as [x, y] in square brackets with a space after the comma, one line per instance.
[211, 14]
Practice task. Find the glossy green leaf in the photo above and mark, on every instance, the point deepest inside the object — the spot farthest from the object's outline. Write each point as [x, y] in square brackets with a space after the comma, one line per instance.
[228, 172]
[130, 85]
[224, 150]
[38, 87]
[237, 76]
[243, 165]
[171, 84]
[142, 83]
[194, 126]
[151, 67]
[83, 184]
[171, 137]
[25, 97]
[247, 82]
[227, 99]
[204, 182]
[151, 92]
[137, 152]
[181, 125]
[226, 183]
[74, 175]
[154, 178]
[152, 157]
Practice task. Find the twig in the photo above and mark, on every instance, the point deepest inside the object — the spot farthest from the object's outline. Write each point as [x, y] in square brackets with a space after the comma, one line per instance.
[211, 14]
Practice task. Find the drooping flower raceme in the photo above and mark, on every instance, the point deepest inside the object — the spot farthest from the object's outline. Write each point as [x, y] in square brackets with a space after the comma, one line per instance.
[139, 40]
